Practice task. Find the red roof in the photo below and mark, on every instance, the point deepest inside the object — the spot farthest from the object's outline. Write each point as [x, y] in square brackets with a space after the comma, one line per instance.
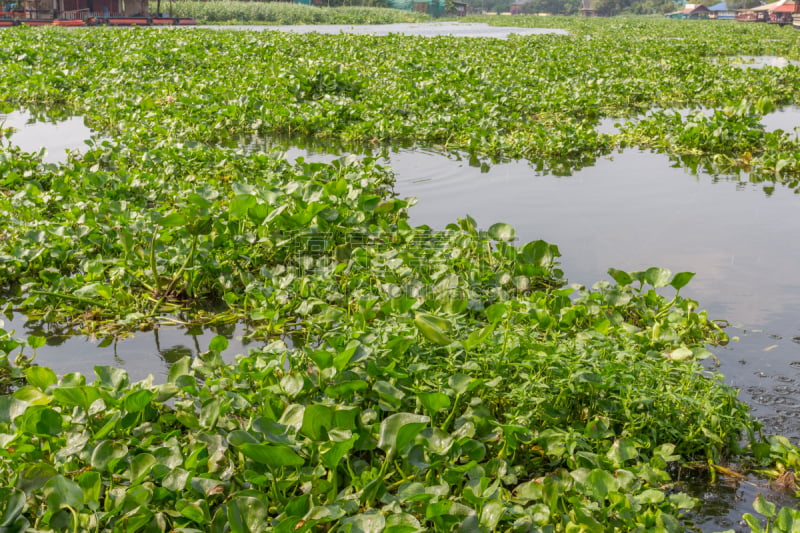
[786, 8]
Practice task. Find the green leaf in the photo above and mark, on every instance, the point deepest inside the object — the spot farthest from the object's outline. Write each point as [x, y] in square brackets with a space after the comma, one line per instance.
[460, 383]
[172, 220]
[680, 279]
[753, 522]
[141, 466]
[240, 203]
[540, 253]
[657, 277]
[107, 452]
[496, 312]
[650, 496]
[35, 341]
[137, 401]
[681, 353]
[298, 506]
[201, 226]
[91, 484]
[40, 377]
[681, 500]
[272, 455]
[788, 519]
[317, 420]
[502, 232]
[196, 511]
[491, 514]
[247, 514]
[83, 396]
[622, 451]
[433, 402]
[365, 523]
[112, 377]
[218, 344]
[40, 420]
[762, 506]
[621, 277]
[601, 483]
[179, 368]
[12, 501]
[433, 328]
[402, 523]
[60, 493]
[399, 429]
[33, 477]
[334, 455]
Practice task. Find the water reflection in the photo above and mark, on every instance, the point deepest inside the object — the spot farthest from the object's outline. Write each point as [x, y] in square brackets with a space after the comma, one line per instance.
[145, 353]
[54, 132]
[786, 119]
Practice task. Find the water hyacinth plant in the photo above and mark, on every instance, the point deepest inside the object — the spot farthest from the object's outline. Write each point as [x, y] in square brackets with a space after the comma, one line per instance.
[408, 378]
[234, 12]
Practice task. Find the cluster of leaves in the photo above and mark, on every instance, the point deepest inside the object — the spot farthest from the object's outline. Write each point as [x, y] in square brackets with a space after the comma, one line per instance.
[121, 238]
[403, 414]
[536, 97]
[435, 379]
[237, 12]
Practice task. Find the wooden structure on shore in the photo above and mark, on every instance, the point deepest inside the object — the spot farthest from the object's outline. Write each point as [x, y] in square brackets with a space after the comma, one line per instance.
[691, 11]
[781, 13]
[88, 13]
[78, 9]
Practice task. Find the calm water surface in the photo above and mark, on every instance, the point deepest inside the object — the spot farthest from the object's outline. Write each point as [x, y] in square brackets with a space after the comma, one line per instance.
[58, 136]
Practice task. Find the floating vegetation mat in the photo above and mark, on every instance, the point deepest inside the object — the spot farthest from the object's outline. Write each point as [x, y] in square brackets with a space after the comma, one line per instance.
[441, 379]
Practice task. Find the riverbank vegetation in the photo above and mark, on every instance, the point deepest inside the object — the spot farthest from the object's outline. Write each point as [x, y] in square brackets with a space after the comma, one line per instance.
[236, 12]
[409, 378]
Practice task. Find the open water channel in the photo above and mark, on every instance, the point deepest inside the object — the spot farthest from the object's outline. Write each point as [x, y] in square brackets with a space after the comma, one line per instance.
[630, 211]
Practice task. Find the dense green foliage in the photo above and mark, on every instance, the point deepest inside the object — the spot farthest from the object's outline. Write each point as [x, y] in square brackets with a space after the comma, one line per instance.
[409, 379]
[235, 12]
[538, 98]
